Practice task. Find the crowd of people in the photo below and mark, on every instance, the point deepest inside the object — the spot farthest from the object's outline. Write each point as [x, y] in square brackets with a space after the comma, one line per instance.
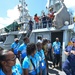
[33, 57]
[43, 21]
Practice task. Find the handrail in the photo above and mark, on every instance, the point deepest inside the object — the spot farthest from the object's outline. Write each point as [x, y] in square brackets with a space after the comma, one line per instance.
[2, 30]
[24, 30]
[27, 26]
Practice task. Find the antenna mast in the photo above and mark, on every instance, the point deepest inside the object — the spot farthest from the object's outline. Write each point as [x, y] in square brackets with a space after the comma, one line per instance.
[24, 15]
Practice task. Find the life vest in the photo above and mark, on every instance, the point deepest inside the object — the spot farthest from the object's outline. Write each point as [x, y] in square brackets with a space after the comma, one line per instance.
[51, 15]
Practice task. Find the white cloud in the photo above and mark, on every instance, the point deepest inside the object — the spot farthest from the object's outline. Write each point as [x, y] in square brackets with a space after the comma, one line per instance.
[69, 3]
[12, 14]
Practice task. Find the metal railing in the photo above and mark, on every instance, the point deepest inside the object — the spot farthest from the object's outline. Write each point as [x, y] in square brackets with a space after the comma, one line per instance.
[2, 30]
[25, 26]
[42, 24]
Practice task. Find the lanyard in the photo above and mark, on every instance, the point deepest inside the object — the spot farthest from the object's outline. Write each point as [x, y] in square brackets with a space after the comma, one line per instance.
[33, 63]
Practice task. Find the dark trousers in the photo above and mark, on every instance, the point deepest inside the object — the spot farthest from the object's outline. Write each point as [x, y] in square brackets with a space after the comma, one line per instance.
[56, 59]
[50, 22]
[30, 27]
[68, 69]
[44, 24]
[50, 54]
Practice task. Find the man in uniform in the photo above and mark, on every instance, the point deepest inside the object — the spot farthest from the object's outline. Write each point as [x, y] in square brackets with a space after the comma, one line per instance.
[69, 64]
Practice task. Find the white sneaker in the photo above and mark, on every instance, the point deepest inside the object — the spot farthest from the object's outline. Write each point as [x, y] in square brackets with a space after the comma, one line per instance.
[52, 66]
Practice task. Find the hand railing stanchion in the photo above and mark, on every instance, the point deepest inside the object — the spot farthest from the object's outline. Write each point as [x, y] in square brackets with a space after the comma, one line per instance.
[47, 24]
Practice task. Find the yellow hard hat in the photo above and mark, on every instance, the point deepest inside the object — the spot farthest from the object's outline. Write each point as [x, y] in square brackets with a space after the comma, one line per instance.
[50, 9]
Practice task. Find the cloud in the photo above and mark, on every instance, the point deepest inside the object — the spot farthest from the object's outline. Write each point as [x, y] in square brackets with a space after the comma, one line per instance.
[69, 3]
[12, 14]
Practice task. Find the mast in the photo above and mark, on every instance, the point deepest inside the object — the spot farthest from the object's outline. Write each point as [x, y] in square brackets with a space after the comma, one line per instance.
[24, 15]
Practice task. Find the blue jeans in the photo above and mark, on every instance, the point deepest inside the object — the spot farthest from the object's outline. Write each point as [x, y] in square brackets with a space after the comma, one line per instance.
[37, 25]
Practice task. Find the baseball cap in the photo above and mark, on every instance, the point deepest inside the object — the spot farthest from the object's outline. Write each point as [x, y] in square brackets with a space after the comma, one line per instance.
[73, 40]
[16, 39]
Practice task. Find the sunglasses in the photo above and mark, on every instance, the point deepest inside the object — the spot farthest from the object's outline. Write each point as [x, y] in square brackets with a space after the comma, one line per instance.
[73, 42]
[12, 59]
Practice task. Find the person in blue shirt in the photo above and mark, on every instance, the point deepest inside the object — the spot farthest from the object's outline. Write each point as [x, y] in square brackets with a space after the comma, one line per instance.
[22, 48]
[15, 45]
[40, 52]
[8, 65]
[56, 51]
[69, 65]
[31, 62]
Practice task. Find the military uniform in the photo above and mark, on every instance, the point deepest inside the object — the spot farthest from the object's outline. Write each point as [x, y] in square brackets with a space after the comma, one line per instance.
[69, 64]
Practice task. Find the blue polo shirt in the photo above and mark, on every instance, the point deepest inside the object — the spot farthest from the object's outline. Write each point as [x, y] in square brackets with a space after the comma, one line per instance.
[41, 54]
[28, 65]
[15, 46]
[71, 57]
[16, 70]
[42, 62]
[56, 46]
[22, 48]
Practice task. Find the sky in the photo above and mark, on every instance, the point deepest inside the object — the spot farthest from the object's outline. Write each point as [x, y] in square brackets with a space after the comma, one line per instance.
[9, 11]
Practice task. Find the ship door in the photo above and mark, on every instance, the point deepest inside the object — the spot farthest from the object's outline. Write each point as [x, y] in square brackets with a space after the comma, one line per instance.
[60, 36]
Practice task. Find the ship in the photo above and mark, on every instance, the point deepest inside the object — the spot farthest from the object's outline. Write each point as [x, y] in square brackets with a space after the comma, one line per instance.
[64, 27]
